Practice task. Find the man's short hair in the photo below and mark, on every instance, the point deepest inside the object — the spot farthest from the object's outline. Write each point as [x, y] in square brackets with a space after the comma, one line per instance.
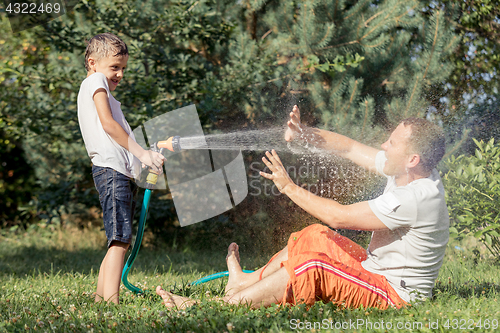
[102, 45]
[427, 140]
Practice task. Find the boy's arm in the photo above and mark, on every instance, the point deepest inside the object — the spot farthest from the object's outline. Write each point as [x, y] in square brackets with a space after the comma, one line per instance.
[115, 131]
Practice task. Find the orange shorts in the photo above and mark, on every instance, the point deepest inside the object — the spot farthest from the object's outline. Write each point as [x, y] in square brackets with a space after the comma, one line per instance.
[325, 266]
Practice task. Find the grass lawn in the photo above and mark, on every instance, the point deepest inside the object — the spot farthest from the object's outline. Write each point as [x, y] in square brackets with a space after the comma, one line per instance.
[48, 278]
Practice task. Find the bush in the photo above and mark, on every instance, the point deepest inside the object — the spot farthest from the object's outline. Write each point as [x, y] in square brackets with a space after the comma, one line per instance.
[473, 192]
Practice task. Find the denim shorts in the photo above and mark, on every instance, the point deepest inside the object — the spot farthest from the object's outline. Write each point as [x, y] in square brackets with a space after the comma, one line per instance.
[116, 194]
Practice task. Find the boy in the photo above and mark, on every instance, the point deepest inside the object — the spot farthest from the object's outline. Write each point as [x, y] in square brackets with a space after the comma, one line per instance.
[114, 152]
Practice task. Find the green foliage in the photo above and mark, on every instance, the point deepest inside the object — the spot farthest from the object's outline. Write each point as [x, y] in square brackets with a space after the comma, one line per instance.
[480, 122]
[472, 194]
[352, 66]
[472, 82]
[478, 24]
[368, 64]
[16, 182]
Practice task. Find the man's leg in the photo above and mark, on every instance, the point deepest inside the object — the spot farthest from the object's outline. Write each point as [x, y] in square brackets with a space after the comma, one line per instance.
[238, 280]
[108, 283]
[265, 292]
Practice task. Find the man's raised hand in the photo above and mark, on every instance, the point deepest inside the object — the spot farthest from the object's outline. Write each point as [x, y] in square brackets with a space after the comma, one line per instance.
[294, 124]
[279, 175]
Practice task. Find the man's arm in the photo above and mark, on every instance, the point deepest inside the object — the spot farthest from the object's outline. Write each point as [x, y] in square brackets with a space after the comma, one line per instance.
[118, 134]
[339, 144]
[358, 216]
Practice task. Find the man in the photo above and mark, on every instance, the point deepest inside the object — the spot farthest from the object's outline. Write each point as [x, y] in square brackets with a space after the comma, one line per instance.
[409, 222]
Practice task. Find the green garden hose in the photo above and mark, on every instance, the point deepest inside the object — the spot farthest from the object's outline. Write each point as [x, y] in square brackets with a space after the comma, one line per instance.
[150, 182]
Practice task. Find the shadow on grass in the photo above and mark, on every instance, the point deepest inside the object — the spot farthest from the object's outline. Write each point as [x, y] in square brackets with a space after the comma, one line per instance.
[29, 260]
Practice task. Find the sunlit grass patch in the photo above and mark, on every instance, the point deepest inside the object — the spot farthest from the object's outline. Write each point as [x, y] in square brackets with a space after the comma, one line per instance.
[47, 284]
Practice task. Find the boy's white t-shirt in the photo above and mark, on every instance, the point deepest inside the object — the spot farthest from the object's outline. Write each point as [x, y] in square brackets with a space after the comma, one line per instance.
[410, 253]
[103, 150]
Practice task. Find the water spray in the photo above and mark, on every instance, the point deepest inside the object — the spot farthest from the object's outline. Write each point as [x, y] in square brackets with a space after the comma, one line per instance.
[172, 144]
[249, 140]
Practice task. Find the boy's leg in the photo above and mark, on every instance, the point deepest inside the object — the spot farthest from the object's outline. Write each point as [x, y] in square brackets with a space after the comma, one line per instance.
[100, 282]
[108, 285]
[116, 193]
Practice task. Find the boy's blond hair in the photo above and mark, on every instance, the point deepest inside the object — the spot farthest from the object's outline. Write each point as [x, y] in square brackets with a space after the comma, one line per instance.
[102, 45]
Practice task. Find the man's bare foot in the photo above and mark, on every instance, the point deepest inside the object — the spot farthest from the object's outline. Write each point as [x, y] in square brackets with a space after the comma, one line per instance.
[236, 275]
[233, 249]
[174, 301]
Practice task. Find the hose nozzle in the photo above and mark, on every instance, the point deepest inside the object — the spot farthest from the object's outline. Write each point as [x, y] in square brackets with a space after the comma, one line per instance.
[172, 144]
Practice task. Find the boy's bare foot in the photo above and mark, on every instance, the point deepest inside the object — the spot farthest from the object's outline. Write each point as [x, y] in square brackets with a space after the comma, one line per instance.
[236, 275]
[174, 301]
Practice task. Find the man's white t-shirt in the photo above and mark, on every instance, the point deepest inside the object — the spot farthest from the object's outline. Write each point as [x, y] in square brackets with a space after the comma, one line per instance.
[411, 252]
[103, 150]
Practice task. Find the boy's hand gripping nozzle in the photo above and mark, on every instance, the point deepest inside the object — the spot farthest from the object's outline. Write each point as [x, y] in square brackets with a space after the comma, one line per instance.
[152, 177]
